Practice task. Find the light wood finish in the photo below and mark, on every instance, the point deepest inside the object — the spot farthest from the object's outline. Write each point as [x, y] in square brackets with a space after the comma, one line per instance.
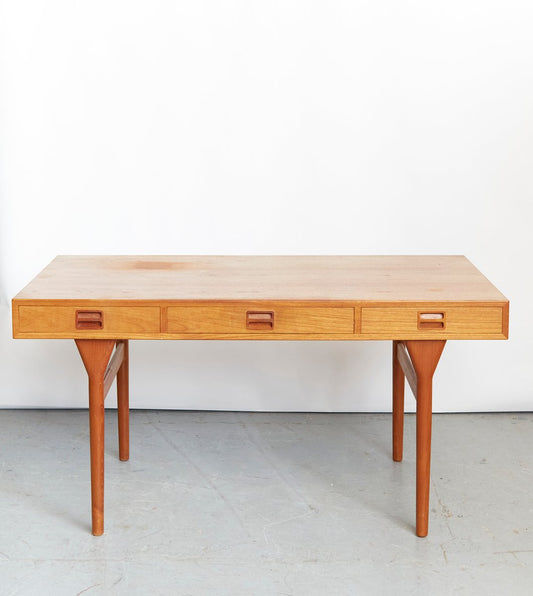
[141, 298]
[123, 405]
[416, 301]
[285, 319]
[302, 278]
[396, 330]
[95, 354]
[117, 321]
[425, 356]
[398, 392]
[460, 321]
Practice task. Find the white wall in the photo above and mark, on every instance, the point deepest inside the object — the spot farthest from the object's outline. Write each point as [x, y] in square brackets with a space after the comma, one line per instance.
[353, 127]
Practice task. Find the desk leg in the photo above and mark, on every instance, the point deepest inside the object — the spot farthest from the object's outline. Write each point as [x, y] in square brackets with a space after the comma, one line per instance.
[425, 356]
[95, 354]
[123, 406]
[398, 388]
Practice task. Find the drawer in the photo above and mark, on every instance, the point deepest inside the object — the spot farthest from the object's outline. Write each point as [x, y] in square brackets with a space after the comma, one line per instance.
[244, 320]
[79, 320]
[451, 321]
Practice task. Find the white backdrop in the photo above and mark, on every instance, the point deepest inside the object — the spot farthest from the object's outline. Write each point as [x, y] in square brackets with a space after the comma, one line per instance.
[351, 127]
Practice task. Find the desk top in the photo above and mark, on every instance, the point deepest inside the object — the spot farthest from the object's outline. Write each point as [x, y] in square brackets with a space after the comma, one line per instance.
[300, 278]
[260, 297]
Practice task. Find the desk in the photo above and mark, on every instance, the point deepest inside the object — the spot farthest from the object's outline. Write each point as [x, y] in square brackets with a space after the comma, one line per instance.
[417, 302]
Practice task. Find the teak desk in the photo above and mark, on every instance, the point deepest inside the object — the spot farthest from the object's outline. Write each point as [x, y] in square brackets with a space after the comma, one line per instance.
[418, 302]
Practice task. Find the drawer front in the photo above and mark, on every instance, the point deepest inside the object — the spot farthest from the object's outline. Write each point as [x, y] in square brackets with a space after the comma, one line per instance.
[239, 319]
[451, 321]
[89, 320]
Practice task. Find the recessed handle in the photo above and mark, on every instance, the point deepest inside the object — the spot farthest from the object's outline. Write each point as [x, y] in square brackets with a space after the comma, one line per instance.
[89, 319]
[431, 320]
[262, 320]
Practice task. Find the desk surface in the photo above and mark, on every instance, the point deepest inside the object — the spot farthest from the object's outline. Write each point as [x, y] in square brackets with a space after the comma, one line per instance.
[366, 278]
[153, 293]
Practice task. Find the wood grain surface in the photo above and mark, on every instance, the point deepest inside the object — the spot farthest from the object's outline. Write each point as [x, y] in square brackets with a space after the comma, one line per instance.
[139, 278]
[311, 297]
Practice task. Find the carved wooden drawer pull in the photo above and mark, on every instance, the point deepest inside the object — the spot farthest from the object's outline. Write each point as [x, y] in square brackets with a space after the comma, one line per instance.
[89, 319]
[262, 320]
[431, 320]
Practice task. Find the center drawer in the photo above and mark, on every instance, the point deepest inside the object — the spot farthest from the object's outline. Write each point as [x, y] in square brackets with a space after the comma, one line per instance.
[263, 320]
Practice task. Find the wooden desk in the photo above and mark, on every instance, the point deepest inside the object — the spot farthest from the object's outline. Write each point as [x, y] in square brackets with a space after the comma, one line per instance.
[418, 302]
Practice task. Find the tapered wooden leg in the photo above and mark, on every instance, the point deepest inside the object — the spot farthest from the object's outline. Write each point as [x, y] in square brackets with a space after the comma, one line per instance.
[425, 356]
[123, 407]
[398, 387]
[95, 354]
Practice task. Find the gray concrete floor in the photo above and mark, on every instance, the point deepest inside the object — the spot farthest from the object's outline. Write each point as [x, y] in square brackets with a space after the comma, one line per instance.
[221, 503]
